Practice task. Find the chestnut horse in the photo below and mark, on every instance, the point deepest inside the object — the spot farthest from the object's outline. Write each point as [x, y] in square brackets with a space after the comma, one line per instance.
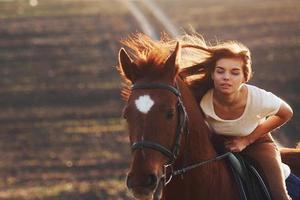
[167, 129]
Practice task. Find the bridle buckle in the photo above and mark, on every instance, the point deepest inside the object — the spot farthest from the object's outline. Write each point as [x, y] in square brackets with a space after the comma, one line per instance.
[168, 173]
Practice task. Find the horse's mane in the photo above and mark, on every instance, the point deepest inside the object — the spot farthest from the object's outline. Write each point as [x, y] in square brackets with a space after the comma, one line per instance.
[149, 55]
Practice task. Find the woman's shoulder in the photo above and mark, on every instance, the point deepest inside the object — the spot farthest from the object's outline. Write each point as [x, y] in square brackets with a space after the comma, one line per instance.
[257, 92]
[254, 88]
[263, 100]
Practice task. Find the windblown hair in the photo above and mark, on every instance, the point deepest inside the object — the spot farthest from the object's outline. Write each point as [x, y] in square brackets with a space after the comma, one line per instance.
[197, 62]
[146, 51]
[149, 56]
[204, 57]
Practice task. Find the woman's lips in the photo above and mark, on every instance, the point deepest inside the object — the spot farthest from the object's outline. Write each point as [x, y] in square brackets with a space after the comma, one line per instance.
[225, 85]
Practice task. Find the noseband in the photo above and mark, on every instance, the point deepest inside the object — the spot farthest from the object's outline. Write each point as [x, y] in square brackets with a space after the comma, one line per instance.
[181, 124]
[181, 129]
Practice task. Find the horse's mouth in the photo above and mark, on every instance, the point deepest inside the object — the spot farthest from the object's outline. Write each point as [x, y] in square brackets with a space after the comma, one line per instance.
[142, 196]
[142, 193]
[150, 189]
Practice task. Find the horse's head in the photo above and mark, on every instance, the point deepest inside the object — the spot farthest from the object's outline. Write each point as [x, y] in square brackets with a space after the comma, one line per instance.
[155, 115]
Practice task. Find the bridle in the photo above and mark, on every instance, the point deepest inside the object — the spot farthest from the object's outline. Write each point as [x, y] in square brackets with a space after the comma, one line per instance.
[181, 124]
[182, 129]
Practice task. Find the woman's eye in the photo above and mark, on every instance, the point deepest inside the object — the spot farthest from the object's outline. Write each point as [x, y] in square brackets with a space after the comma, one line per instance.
[169, 114]
[235, 72]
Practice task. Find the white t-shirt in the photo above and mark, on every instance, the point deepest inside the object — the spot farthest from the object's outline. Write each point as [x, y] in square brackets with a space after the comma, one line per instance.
[260, 104]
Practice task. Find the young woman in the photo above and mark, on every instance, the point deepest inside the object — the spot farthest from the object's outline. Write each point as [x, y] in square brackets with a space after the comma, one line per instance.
[241, 115]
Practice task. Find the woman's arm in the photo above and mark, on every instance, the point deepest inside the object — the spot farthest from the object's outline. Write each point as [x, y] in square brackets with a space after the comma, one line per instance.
[283, 115]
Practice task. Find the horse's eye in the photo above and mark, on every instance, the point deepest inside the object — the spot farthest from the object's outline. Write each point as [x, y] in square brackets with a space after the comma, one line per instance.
[169, 114]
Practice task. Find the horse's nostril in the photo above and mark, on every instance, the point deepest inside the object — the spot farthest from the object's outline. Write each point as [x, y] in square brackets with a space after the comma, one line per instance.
[151, 180]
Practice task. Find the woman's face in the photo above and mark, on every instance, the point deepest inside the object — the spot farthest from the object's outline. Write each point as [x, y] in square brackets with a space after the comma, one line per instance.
[228, 75]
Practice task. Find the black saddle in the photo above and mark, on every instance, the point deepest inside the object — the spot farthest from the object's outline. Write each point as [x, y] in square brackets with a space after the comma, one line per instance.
[251, 185]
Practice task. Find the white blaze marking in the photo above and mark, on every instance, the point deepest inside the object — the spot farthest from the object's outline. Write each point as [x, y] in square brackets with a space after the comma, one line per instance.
[144, 103]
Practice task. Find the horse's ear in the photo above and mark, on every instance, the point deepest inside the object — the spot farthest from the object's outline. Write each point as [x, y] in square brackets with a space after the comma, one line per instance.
[127, 66]
[172, 63]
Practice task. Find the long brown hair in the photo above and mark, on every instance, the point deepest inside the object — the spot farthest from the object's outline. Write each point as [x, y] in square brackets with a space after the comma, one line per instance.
[204, 56]
[197, 62]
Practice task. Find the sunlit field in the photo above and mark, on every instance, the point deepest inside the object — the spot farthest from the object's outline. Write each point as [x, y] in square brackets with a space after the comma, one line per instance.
[61, 134]
[269, 28]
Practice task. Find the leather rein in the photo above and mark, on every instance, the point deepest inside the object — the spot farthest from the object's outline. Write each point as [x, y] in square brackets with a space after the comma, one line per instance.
[182, 129]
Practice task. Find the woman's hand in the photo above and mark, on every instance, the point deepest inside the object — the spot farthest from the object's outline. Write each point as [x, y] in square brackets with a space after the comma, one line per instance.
[237, 144]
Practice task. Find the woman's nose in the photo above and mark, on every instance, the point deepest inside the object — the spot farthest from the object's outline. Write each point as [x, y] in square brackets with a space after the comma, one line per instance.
[226, 76]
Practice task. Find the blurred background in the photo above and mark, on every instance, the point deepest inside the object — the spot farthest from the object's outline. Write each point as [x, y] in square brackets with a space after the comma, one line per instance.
[61, 136]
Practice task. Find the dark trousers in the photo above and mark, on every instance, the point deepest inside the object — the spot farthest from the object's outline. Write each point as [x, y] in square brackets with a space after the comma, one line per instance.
[265, 156]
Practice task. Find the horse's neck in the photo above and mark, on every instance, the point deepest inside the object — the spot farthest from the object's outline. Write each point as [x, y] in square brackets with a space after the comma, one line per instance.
[199, 138]
[200, 148]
